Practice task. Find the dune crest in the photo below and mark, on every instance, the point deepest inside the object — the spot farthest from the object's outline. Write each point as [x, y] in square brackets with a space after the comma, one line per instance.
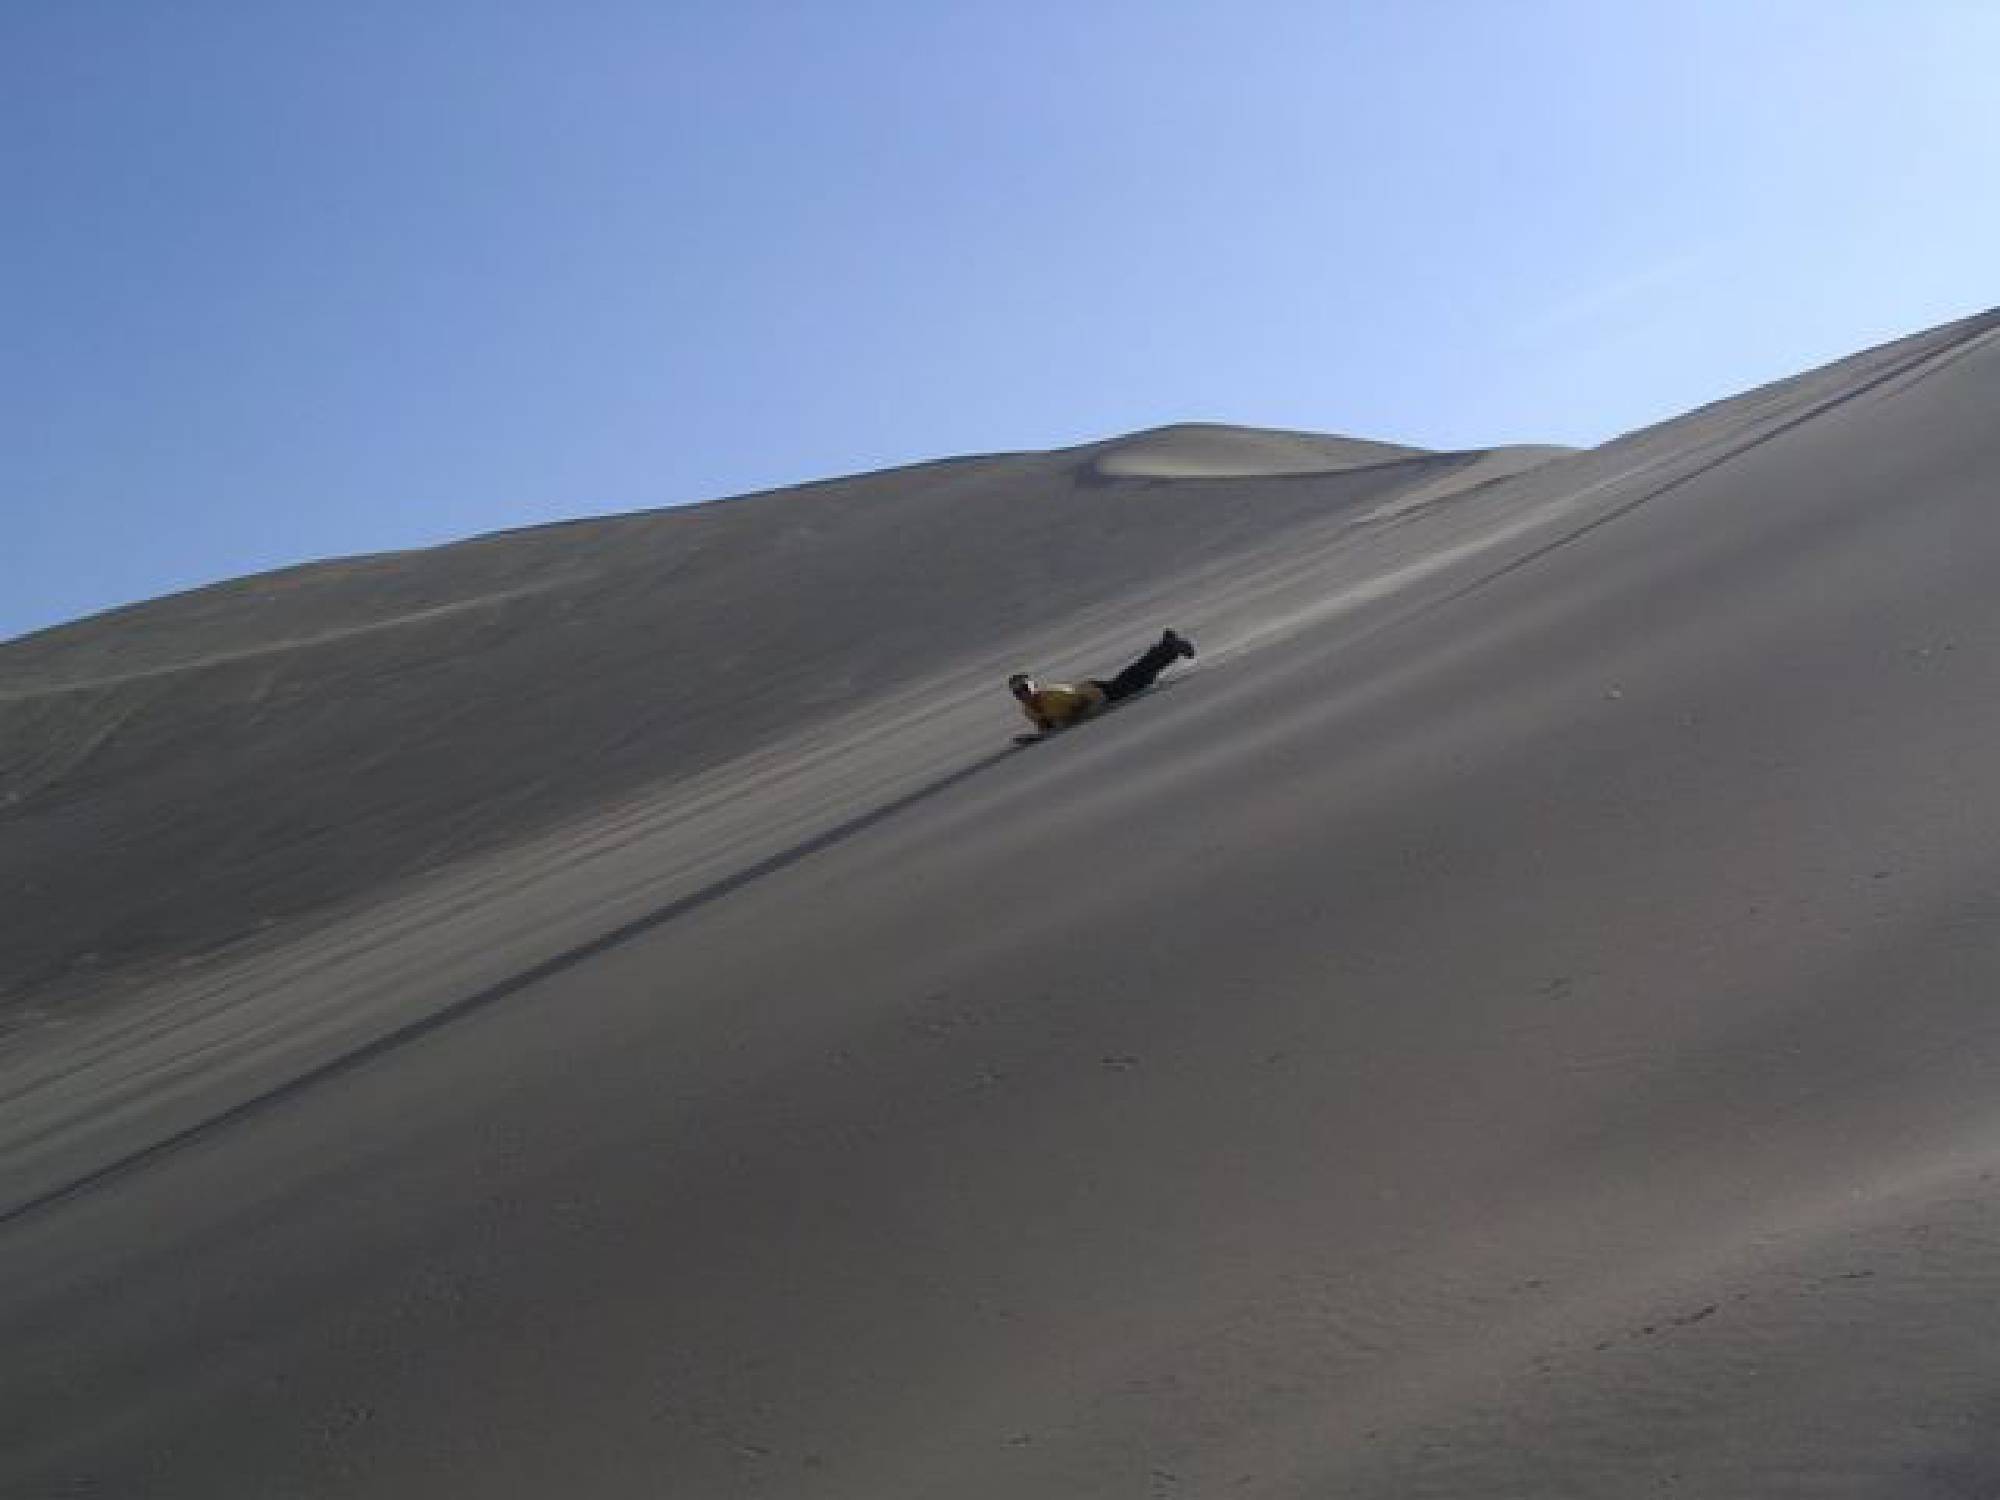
[1208, 450]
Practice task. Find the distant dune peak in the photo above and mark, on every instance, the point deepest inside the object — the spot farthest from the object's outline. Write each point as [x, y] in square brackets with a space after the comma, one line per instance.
[1213, 450]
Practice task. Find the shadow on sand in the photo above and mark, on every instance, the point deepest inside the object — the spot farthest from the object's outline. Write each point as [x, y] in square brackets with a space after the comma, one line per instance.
[479, 1000]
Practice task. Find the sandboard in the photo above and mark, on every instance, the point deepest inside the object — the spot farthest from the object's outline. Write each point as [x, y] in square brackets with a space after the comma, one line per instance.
[1035, 737]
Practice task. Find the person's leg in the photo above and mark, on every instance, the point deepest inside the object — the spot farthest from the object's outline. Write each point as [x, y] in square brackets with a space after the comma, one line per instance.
[1142, 673]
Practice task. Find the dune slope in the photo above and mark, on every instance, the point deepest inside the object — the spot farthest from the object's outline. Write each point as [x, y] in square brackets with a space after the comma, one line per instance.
[1513, 1019]
[287, 742]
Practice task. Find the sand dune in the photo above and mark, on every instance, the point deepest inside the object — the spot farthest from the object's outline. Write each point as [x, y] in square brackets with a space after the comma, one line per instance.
[290, 742]
[1513, 1019]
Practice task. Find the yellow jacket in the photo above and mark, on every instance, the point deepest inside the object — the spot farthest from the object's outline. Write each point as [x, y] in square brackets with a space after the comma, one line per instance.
[1057, 705]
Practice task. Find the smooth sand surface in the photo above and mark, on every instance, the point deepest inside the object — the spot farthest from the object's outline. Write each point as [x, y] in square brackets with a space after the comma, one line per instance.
[288, 743]
[1514, 1018]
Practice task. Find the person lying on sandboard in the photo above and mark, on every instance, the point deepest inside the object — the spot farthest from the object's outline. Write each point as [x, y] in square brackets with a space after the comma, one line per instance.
[1057, 705]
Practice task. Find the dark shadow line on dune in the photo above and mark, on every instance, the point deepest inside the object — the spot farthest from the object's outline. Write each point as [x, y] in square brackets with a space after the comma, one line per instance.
[1989, 323]
[459, 1010]
[1915, 367]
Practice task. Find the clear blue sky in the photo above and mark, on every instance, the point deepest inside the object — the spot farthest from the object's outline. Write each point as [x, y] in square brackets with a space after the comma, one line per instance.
[286, 280]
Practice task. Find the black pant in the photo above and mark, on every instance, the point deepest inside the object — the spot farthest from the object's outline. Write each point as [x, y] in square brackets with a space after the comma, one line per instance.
[1141, 674]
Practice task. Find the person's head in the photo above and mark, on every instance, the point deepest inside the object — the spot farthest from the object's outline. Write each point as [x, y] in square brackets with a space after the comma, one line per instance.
[1022, 686]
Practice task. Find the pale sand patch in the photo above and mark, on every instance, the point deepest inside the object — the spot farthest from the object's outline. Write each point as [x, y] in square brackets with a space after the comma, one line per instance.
[1201, 450]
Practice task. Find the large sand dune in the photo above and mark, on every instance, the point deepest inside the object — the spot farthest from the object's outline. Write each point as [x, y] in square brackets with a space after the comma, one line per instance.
[606, 1011]
[288, 742]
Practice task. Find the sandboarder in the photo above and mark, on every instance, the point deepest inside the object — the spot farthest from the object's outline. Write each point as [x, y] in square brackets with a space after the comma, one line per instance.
[1057, 705]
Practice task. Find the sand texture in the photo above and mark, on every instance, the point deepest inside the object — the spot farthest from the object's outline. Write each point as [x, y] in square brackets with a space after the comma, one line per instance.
[606, 1010]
